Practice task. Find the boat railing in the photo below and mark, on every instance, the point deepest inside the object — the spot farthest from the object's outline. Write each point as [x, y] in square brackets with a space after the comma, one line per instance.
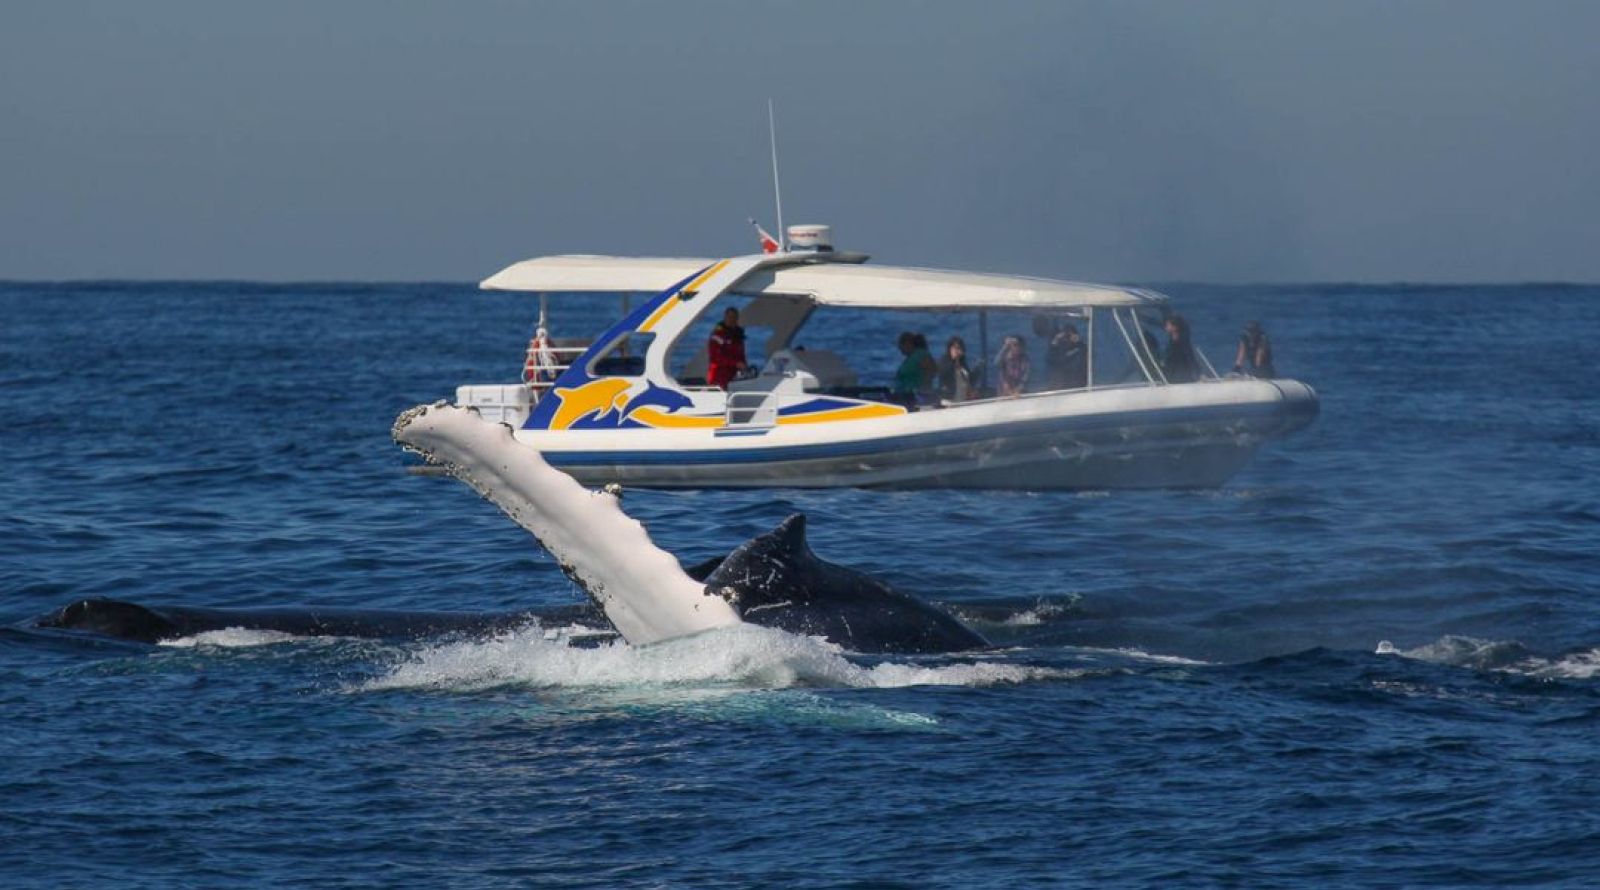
[539, 373]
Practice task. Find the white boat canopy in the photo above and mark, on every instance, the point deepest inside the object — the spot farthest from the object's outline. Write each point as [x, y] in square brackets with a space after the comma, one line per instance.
[826, 284]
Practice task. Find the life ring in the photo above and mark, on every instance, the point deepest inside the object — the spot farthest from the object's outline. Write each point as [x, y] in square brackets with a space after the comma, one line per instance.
[539, 365]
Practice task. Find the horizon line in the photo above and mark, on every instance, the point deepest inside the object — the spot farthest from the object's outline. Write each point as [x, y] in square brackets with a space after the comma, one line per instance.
[1180, 282]
[1125, 282]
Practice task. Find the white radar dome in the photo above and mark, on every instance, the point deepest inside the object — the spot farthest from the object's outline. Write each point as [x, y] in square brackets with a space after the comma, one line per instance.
[810, 237]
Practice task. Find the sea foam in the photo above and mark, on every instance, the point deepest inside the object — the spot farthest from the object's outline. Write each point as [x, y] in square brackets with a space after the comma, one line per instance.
[1501, 655]
[743, 656]
[232, 638]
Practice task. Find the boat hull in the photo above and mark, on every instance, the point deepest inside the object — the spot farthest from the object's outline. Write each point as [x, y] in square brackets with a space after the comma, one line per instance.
[1189, 436]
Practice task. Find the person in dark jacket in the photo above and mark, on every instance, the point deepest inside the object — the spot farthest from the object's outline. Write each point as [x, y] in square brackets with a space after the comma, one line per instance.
[1073, 358]
[1180, 364]
[955, 378]
[1254, 356]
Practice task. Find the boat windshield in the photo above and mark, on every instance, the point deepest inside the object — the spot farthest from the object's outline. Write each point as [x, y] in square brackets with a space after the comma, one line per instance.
[624, 358]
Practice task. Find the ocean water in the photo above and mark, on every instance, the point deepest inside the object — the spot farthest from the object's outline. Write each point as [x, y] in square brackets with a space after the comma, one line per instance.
[1372, 659]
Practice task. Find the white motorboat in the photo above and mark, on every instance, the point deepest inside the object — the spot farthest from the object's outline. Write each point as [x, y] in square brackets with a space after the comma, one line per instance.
[633, 405]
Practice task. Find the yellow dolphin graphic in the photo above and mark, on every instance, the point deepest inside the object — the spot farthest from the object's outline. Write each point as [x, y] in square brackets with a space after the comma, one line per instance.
[595, 397]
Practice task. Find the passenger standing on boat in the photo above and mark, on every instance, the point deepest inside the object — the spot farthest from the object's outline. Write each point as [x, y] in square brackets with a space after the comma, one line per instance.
[1013, 365]
[1180, 365]
[725, 351]
[917, 370]
[955, 378]
[1074, 359]
[1255, 353]
[1064, 355]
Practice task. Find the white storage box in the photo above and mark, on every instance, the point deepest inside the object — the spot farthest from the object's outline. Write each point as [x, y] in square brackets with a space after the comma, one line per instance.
[499, 402]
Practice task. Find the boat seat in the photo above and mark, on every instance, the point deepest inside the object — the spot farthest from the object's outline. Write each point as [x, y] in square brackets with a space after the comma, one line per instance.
[829, 367]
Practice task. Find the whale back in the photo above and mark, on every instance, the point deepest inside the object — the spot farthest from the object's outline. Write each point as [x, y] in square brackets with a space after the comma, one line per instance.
[155, 624]
[775, 580]
[112, 618]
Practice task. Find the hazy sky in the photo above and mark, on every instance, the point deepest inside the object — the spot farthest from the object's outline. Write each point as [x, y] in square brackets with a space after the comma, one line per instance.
[1130, 141]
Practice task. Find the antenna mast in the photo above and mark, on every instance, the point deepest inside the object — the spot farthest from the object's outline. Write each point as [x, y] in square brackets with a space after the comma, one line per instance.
[777, 190]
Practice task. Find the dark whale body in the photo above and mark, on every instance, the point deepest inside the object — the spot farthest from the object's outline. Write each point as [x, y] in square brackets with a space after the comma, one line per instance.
[773, 580]
[153, 624]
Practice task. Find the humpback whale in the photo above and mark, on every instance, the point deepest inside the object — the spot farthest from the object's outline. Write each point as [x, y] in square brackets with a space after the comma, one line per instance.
[773, 580]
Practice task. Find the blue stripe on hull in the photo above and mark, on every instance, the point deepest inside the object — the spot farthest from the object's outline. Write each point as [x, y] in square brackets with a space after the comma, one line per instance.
[922, 440]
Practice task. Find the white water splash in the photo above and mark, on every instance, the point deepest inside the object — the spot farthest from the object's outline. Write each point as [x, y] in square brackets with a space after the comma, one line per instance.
[1573, 666]
[1035, 616]
[1500, 655]
[744, 656]
[232, 638]
[1154, 658]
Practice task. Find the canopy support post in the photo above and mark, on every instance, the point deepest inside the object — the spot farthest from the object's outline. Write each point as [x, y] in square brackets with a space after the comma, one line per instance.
[1089, 381]
[983, 339]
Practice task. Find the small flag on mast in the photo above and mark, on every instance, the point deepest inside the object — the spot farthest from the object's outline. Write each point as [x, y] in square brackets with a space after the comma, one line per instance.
[769, 244]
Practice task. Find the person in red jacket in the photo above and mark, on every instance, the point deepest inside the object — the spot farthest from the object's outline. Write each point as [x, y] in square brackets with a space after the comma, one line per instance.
[725, 350]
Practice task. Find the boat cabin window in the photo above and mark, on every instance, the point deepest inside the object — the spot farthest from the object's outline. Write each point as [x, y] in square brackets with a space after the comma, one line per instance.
[1128, 347]
[625, 358]
[768, 321]
[1131, 347]
[1114, 345]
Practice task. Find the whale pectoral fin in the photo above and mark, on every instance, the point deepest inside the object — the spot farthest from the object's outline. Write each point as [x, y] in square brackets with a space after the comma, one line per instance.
[643, 590]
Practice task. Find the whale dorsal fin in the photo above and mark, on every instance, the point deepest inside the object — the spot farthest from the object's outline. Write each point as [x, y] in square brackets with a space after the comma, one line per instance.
[791, 533]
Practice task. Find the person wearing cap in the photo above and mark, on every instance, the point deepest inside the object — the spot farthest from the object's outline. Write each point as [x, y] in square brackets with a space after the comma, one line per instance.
[1254, 356]
[1072, 357]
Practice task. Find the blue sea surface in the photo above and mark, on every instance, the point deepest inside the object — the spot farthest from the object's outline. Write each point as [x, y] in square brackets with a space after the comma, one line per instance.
[1372, 659]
